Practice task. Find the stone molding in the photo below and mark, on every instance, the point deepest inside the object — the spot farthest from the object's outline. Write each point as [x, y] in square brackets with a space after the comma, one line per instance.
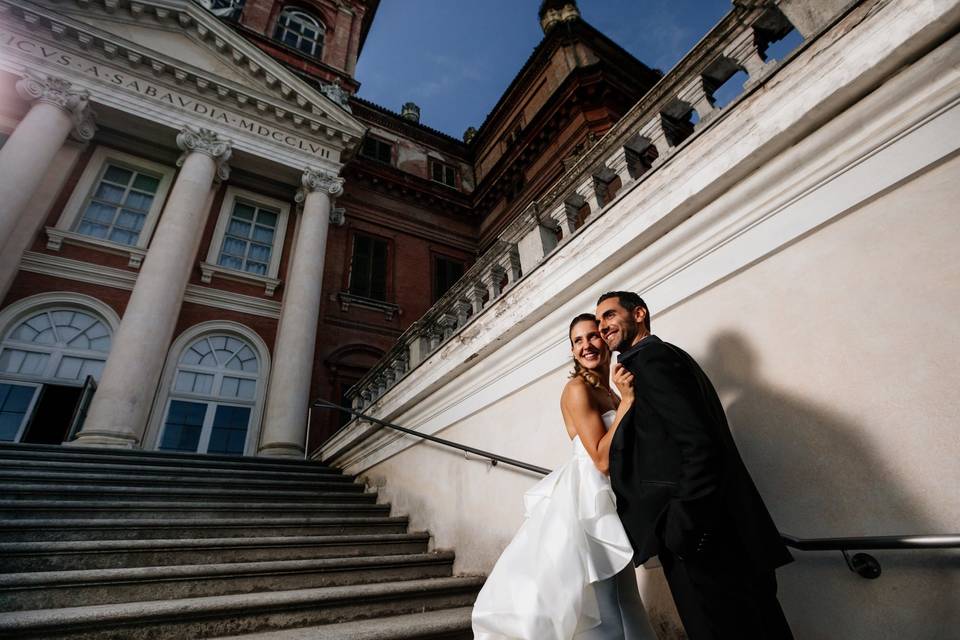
[37, 87]
[209, 143]
[314, 179]
[81, 271]
[290, 97]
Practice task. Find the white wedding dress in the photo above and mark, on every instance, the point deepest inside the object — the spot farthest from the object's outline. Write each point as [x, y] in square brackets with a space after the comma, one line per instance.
[568, 572]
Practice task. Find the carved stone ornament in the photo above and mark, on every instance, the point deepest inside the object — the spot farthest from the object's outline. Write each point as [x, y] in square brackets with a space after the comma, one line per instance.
[337, 94]
[319, 180]
[61, 94]
[207, 142]
[338, 216]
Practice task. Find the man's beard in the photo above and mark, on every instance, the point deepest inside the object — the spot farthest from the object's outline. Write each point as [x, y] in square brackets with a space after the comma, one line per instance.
[627, 337]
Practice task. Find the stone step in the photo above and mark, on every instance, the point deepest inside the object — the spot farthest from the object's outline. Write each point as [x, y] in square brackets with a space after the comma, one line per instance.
[55, 589]
[51, 530]
[126, 468]
[56, 477]
[227, 492]
[183, 510]
[444, 624]
[241, 613]
[103, 455]
[109, 554]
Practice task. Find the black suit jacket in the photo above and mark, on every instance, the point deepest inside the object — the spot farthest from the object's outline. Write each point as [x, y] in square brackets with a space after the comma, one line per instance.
[675, 469]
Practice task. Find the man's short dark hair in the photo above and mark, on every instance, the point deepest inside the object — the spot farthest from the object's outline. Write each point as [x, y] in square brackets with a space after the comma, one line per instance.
[629, 301]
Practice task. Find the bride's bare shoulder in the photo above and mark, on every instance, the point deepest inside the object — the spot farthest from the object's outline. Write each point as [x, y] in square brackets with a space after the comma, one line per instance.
[575, 391]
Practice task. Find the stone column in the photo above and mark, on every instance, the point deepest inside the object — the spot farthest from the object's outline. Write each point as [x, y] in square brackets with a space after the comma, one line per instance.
[118, 413]
[57, 110]
[288, 397]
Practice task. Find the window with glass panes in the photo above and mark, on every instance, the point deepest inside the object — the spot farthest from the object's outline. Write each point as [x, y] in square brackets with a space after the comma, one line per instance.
[119, 204]
[248, 241]
[368, 267]
[377, 150]
[446, 272]
[300, 31]
[213, 395]
[443, 173]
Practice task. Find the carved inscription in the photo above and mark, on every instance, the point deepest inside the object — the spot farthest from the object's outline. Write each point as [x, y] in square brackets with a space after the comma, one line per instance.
[155, 92]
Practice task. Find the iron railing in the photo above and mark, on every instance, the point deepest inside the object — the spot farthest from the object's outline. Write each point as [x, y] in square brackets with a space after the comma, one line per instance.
[863, 564]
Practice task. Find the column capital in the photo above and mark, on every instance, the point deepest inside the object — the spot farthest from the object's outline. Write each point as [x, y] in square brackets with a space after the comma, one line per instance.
[33, 86]
[314, 179]
[207, 142]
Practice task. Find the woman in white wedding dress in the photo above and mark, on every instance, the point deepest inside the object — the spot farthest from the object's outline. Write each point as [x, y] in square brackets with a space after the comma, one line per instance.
[568, 572]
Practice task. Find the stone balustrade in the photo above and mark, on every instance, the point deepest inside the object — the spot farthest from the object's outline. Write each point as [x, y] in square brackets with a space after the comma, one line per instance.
[654, 129]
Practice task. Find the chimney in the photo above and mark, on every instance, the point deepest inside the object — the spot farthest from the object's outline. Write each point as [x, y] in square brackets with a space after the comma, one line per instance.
[410, 111]
[553, 12]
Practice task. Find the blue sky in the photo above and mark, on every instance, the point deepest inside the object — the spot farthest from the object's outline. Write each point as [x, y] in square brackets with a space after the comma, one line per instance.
[455, 58]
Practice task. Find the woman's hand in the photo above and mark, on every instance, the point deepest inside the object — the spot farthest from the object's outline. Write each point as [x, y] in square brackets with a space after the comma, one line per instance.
[623, 379]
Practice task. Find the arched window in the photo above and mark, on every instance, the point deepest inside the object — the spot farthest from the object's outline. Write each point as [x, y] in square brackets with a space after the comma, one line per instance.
[301, 31]
[46, 354]
[212, 396]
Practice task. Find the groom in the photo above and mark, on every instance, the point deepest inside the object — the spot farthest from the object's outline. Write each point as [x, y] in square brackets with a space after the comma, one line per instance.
[682, 490]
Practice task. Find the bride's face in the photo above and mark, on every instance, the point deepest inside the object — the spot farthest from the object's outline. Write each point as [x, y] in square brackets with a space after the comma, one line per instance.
[587, 346]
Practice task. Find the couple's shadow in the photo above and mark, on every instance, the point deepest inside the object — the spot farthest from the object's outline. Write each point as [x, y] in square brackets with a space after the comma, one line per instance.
[819, 477]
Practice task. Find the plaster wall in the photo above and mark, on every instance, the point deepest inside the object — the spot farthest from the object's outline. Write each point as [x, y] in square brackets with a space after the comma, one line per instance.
[836, 358]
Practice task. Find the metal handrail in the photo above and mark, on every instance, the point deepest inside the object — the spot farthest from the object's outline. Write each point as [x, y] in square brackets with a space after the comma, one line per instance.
[863, 564]
[494, 458]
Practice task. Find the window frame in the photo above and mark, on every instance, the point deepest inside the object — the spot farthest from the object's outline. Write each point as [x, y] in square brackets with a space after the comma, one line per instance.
[15, 313]
[210, 267]
[388, 267]
[63, 231]
[445, 165]
[379, 140]
[31, 406]
[164, 394]
[321, 27]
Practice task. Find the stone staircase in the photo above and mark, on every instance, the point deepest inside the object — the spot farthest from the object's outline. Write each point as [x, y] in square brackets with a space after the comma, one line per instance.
[106, 543]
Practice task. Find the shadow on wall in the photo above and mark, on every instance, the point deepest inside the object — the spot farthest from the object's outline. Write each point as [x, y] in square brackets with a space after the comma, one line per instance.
[820, 478]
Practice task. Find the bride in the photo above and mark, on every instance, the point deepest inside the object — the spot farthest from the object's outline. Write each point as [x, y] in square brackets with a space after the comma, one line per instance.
[568, 572]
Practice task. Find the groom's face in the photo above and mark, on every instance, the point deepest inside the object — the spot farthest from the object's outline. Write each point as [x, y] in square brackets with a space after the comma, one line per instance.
[619, 328]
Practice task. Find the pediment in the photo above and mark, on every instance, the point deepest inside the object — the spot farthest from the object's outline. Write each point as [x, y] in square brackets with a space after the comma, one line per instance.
[176, 44]
[178, 39]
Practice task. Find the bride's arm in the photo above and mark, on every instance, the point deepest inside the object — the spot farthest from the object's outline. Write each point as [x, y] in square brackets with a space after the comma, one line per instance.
[579, 409]
[578, 404]
[624, 381]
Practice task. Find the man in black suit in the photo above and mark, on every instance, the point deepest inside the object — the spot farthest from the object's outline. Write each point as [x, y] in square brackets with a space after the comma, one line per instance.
[683, 492]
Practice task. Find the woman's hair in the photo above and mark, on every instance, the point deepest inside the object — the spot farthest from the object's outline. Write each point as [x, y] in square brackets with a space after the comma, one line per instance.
[588, 376]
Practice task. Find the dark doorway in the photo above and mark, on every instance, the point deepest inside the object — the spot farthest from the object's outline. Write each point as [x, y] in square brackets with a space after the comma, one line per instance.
[52, 415]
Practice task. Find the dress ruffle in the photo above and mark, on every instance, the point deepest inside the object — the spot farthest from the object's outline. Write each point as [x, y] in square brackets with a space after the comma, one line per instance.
[541, 587]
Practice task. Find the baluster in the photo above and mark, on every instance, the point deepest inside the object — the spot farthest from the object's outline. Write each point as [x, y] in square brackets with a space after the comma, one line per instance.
[699, 96]
[565, 215]
[491, 280]
[509, 262]
[462, 309]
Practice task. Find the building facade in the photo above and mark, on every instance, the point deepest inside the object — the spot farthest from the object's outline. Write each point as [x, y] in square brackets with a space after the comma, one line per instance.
[204, 228]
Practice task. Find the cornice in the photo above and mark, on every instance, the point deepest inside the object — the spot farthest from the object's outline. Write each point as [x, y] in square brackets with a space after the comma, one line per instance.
[384, 117]
[392, 181]
[70, 269]
[284, 96]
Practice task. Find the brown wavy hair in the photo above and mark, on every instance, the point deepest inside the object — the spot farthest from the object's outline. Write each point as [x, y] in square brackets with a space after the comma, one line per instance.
[589, 377]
